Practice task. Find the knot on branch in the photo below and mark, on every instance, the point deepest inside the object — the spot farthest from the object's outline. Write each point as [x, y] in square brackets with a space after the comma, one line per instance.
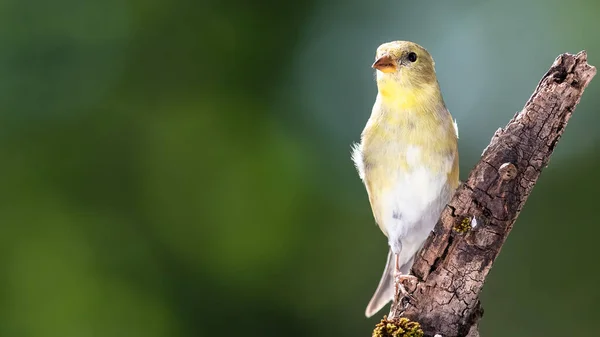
[507, 171]
[397, 327]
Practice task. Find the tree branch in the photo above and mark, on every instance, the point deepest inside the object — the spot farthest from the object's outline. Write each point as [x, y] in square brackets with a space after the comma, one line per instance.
[459, 253]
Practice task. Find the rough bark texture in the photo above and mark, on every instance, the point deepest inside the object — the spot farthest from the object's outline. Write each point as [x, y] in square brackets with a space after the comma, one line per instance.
[457, 256]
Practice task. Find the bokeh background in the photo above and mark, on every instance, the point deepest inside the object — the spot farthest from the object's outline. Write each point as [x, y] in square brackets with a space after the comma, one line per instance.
[182, 168]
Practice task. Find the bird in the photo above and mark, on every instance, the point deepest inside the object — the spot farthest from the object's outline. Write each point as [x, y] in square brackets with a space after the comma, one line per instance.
[407, 159]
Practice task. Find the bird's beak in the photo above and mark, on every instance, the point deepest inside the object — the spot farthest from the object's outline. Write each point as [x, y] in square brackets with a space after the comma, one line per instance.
[385, 64]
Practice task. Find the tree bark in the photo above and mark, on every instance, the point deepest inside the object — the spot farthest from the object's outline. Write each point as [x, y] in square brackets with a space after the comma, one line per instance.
[456, 258]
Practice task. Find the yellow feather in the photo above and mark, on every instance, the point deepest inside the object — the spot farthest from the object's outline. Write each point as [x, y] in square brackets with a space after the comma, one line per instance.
[400, 119]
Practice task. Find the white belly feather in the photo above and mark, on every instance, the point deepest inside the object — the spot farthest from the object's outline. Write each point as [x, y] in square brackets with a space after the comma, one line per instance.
[411, 207]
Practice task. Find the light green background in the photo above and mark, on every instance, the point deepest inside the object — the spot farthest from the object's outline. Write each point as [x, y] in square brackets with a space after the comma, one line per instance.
[182, 168]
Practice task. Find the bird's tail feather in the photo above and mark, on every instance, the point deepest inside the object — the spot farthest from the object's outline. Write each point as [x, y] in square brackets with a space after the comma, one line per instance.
[385, 289]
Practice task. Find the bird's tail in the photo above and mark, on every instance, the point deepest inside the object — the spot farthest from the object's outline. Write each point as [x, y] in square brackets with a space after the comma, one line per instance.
[385, 289]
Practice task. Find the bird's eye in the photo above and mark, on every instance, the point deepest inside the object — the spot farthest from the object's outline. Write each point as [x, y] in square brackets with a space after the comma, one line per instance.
[412, 57]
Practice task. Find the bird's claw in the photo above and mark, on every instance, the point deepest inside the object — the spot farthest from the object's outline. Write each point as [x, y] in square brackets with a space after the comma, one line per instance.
[402, 278]
[400, 290]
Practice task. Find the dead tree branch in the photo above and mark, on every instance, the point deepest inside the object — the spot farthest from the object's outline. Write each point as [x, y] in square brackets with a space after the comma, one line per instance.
[458, 255]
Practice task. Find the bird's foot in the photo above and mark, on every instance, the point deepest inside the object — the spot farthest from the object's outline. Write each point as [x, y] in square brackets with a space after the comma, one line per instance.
[402, 278]
[400, 290]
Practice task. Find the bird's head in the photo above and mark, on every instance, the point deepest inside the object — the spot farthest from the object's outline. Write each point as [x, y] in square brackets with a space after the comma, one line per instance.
[404, 63]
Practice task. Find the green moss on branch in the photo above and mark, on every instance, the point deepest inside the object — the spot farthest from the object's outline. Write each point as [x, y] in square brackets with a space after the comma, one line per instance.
[399, 327]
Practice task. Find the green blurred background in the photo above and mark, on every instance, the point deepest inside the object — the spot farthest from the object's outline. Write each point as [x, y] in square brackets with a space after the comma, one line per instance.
[182, 168]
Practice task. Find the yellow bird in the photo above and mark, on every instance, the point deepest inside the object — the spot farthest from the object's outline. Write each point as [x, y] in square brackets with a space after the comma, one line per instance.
[407, 158]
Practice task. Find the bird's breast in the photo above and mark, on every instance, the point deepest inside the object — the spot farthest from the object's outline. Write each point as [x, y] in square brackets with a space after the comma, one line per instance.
[408, 171]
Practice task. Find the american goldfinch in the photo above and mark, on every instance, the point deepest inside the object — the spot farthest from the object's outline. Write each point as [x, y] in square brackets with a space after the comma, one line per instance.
[407, 158]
